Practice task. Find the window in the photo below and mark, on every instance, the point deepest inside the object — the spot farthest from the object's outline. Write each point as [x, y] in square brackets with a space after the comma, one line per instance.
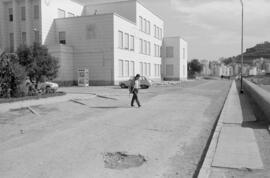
[120, 39]
[126, 68]
[121, 68]
[157, 51]
[141, 23]
[61, 13]
[10, 14]
[37, 36]
[155, 31]
[11, 42]
[184, 70]
[141, 68]
[169, 51]
[23, 13]
[131, 43]
[23, 38]
[126, 41]
[144, 47]
[148, 69]
[145, 25]
[36, 12]
[131, 68]
[69, 14]
[148, 48]
[184, 53]
[62, 37]
[161, 34]
[157, 69]
[141, 46]
[169, 70]
[144, 68]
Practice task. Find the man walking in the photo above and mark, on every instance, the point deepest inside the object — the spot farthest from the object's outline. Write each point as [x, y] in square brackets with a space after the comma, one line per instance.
[134, 89]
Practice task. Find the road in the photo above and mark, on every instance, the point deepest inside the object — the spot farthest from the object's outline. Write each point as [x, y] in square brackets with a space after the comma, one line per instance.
[74, 139]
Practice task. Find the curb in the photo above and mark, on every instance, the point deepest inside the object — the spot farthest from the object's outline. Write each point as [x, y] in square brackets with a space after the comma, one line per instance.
[205, 169]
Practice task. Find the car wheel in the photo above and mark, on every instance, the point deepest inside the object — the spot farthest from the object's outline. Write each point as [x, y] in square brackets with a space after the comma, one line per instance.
[122, 85]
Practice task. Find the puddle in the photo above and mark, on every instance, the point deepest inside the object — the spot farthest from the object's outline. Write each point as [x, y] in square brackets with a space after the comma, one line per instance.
[119, 160]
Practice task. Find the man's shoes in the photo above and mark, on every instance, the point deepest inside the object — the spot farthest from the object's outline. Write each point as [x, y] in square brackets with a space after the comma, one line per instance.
[139, 106]
[132, 105]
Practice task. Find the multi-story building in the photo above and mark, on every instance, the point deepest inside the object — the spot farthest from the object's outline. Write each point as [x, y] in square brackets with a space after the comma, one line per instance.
[174, 59]
[113, 41]
[205, 67]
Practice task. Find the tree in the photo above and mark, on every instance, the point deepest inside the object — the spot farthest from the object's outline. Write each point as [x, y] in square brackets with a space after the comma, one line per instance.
[39, 64]
[194, 66]
[12, 76]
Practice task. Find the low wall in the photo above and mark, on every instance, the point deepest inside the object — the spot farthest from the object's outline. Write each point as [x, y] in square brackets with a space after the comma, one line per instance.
[259, 96]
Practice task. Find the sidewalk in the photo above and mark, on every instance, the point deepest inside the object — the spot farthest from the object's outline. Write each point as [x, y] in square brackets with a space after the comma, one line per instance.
[4, 107]
[233, 147]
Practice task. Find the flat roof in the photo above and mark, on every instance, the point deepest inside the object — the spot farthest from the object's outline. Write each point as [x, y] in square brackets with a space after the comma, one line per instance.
[104, 14]
[104, 2]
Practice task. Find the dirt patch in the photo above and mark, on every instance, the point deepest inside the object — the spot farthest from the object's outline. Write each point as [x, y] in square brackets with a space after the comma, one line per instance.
[119, 160]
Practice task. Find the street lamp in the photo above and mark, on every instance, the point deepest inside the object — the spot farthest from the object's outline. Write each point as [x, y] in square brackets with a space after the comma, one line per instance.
[242, 39]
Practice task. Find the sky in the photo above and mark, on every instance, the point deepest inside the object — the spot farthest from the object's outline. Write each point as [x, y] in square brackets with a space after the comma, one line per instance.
[212, 28]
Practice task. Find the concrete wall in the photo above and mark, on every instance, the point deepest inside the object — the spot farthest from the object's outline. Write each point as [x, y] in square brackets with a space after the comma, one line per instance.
[178, 60]
[125, 9]
[258, 95]
[183, 59]
[17, 26]
[64, 54]
[124, 25]
[49, 12]
[94, 52]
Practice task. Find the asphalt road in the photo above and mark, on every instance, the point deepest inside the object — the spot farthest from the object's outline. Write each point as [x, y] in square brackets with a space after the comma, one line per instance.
[74, 139]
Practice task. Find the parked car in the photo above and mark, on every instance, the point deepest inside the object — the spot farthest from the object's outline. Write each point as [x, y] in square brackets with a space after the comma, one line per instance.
[48, 87]
[144, 82]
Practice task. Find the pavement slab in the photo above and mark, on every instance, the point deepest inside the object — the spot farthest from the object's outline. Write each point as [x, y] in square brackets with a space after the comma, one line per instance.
[232, 112]
[237, 148]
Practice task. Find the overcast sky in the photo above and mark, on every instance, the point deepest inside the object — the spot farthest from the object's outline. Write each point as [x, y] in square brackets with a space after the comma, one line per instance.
[212, 28]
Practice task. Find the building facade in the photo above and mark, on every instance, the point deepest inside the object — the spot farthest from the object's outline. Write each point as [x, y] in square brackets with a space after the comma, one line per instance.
[174, 58]
[113, 41]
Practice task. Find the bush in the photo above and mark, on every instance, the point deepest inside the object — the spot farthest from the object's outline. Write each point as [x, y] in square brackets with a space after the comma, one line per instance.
[12, 76]
[39, 64]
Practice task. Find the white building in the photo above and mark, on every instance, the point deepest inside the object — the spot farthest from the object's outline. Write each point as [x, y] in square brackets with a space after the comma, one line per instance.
[174, 59]
[112, 40]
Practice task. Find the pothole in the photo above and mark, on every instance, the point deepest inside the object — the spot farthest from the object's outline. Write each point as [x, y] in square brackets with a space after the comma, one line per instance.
[120, 160]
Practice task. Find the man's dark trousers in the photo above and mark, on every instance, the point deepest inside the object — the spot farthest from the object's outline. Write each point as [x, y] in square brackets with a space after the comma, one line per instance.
[135, 97]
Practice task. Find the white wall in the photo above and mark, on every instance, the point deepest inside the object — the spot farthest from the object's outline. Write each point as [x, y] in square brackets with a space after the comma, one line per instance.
[64, 54]
[123, 54]
[96, 53]
[125, 9]
[49, 13]
[179, 59]
[183, 59]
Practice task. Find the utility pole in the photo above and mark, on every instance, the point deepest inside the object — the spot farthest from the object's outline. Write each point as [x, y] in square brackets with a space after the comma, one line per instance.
[242, 41]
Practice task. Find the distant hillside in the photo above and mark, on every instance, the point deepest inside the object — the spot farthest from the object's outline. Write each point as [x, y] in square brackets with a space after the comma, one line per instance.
[259, 51]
